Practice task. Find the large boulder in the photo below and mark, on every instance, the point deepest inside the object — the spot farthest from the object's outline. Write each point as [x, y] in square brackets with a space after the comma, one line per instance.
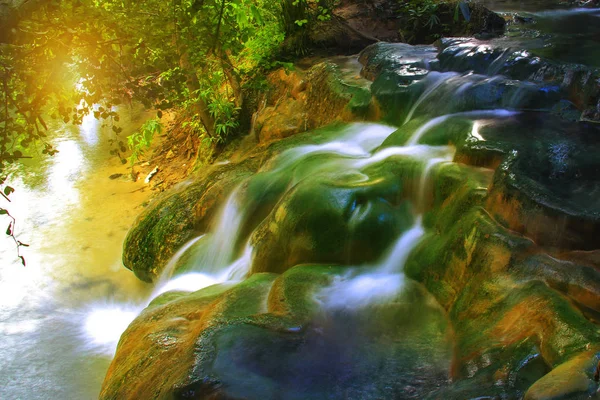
[301, 100]
[335, 220]
[269, 337]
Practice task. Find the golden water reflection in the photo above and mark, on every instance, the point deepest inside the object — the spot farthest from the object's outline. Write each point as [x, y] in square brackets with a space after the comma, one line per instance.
[75, 219]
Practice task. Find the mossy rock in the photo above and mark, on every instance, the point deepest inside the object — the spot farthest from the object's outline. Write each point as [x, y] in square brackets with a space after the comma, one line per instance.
[329, 220]
[453, 131]
[270, 336]
[175, 218]
[299, 101]
[330, 94]
[510, 308]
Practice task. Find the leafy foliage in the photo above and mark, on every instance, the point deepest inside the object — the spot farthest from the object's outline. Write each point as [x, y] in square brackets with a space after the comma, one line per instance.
[298, 16]
[424, 18]
[10, 230]
[141, 140]
[66, 60]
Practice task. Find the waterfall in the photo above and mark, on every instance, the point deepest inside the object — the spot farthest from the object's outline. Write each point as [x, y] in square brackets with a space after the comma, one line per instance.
[438, 80]
[379, 283]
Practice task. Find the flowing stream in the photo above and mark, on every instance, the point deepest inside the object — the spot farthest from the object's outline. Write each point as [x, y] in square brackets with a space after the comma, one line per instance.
[61, 315]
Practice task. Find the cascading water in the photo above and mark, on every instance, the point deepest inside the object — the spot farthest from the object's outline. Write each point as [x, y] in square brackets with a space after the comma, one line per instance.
[211, 258]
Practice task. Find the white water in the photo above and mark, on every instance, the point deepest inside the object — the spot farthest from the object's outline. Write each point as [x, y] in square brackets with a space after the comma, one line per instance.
[439, 78]
[358, 141]
[381, 283]
[193, 281]
[356, 290]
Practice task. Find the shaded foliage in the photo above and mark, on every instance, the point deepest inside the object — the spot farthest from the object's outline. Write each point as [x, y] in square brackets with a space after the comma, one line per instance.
[66, 60]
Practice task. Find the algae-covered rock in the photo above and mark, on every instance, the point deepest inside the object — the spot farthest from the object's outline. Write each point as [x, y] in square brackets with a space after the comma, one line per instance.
[173, 219]
[330, 222]
[274, 337]
[299, 101]
[516, 314]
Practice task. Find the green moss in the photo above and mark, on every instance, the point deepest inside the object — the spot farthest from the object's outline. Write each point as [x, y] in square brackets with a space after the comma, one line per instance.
[293, 292]
[348, 223]
[177, 217]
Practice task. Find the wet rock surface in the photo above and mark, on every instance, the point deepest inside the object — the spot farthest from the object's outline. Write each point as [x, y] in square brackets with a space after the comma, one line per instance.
[302, 100]
[269, 338]
[177, 216]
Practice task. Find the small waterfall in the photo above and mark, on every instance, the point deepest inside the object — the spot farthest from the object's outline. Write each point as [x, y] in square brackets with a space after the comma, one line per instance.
[224, 237]
[170, 267]
[401, 250]
[214, 262]
[194, 281]
[438, 80]
[106, 322]
[385, 280]
[358, 289]
[421, 200]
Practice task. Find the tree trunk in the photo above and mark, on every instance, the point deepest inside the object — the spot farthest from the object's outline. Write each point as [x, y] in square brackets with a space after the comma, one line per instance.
[200, 107]
[233, 78]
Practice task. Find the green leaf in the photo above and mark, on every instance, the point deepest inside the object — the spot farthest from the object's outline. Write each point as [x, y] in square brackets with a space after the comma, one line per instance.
[8, 190]
[256, 15]
[9, 230]
[3, 211]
